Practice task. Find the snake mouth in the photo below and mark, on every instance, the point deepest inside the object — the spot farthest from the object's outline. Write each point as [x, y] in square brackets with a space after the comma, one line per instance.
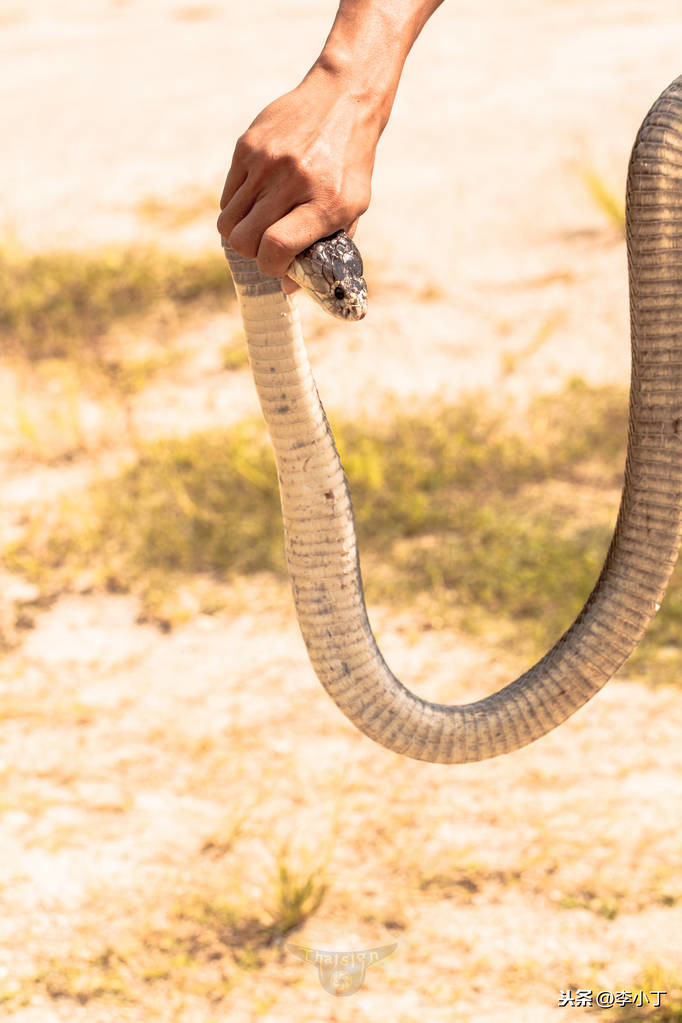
[355, 312]
[351, 299]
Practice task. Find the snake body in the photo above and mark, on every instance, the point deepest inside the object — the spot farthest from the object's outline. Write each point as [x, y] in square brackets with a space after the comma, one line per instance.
[318, 518]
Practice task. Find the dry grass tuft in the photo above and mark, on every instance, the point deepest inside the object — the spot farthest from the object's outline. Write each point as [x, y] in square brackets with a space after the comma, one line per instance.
[62, 304]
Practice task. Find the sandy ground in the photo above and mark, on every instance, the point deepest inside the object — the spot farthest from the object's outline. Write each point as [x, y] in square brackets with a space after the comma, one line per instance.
[123, 752]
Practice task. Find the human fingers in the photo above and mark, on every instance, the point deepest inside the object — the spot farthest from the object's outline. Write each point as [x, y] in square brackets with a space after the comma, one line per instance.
[293, 233]
[267, 210]
[289, 286]
[236, 176]
[236, 209]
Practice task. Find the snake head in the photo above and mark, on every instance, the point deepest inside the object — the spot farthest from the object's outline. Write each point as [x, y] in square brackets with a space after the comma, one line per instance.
[330, 271]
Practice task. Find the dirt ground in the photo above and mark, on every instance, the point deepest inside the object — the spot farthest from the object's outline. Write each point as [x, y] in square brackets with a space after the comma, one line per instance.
[142, 771]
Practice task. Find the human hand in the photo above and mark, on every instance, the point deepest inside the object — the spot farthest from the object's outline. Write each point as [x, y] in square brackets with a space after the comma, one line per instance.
[300, 172]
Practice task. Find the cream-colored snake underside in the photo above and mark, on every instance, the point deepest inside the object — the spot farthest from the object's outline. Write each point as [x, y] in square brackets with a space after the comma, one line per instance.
[318, 519]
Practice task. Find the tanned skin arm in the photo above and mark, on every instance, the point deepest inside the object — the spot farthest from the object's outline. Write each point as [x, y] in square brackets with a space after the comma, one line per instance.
[303, 169]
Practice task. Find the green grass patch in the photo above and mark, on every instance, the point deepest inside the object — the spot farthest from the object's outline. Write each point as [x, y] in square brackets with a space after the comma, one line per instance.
[500, 527]
[206, 505]
[58, 304]
[453, 503]
[235, 355]
[298, 896]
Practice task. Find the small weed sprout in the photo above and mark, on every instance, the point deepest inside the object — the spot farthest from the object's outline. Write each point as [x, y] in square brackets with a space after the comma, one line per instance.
[606, 198]
[298, 895]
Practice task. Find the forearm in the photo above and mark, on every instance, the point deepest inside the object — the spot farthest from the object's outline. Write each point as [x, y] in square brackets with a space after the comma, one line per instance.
[367, 48]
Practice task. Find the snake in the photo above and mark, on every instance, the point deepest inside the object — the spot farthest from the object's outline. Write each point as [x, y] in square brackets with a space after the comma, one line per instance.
[319, 532]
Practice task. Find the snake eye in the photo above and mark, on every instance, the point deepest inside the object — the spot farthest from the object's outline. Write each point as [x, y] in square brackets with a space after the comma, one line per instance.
[339, 291]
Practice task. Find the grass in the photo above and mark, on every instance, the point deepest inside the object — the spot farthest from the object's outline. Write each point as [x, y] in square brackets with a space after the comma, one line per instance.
[206, 941]
[610, 202]
[511, 362]
[183, 209]
[607, 908]
[653, 978]
[447, 504]
[83, 333]
[60, 304]
[234, 354]
[102, 978]
[298, 896]
[501, 529]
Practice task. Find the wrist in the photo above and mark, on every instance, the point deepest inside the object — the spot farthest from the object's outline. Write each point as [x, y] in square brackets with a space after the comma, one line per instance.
[369, 85]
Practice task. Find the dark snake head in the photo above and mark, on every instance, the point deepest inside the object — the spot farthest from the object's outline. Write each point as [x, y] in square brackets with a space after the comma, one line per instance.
[330, 271]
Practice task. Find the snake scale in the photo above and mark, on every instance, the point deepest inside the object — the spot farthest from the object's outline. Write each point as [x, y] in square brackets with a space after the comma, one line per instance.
[320, 538]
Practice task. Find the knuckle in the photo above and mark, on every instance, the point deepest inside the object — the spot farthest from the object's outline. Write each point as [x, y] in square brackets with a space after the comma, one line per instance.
[340, 213]
[269, 159]
[274, 255]
[244, 242]
[289, 167]
[346, 205]
[226, 223]
[254, 149]
[355, 204]
[244, 147]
